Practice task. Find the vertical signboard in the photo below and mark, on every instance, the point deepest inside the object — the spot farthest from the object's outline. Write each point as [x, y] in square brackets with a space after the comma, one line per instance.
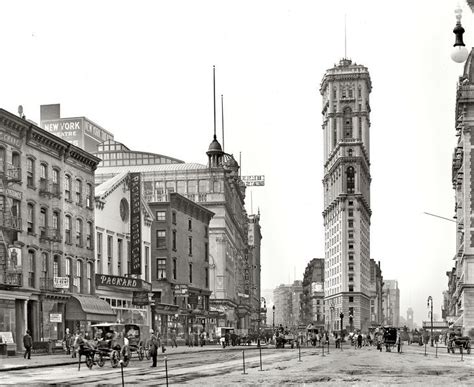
[135, 224]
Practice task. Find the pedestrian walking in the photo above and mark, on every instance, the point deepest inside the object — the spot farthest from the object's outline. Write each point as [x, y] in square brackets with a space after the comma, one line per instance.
[67, 341]
[75, 343]
[359, 340]
[153, 347]
[27, 343]
[173, 339]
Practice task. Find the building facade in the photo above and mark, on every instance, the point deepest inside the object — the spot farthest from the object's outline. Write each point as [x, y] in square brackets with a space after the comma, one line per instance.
[46, 236]
[218, 187]
[376, 294]
[345, 90]
[312, 297]
[252, 274]
[180, 268]
[287, 302]
[114, 280]
[78, 131]
[391, 301]
[461, 279]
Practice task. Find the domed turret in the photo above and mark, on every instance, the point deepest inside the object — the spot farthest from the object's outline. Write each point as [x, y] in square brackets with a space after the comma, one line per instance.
[215, 153]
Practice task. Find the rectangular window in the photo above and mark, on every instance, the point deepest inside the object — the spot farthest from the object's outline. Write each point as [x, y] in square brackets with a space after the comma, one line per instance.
[110, 246]
[68, 229]
[351, 212]
[30, 172]
[190, 225]
[161, 239]
[206, 252]
[30, 218]
[350, 223]
[161, 268]
[78, 277]
[147, 259]
[31, 269]
[206, 277]
[99, 253]
[174, 241]
[79, 192]
[119, 256]
[351, 288]
[90, 230]
[190, 273]
[174, 217]
[190, 246]
[89, 196]
[79, 232]
[175, 268]
[160, 215]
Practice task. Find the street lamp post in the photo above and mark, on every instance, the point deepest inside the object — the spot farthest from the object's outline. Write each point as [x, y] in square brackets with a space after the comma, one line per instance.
[273, 317]
[430, 304]
[331, 308]
[342, 319]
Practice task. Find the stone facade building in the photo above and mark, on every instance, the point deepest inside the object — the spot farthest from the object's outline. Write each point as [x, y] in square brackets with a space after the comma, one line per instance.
[312, 298]
[391, 303]
[345, 90]
[180, 267]
[376, 294]
[46, 239]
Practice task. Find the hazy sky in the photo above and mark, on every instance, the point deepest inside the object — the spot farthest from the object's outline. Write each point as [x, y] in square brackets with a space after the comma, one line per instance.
[143, 70]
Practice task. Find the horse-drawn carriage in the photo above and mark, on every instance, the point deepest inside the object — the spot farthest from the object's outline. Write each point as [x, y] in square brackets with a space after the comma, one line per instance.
[389, 338]
[119, 341]
[454, 340]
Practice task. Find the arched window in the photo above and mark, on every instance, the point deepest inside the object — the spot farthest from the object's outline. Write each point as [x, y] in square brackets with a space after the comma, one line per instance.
[44, 270]
[78, 277]
[31, 268]
[350, 174]
[68, 268]
[89, 277]
[43, 171]
[68, 228]
[347, 122]
[79, 232]
[79, 192]
[30, 172]
[67, 187]
[30, 218]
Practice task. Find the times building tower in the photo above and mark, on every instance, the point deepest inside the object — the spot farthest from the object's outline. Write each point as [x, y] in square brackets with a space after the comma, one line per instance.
[345, 90]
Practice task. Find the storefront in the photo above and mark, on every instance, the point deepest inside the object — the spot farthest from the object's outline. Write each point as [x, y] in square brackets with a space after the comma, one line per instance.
[13, 311]
[166, 319]
[83, 310]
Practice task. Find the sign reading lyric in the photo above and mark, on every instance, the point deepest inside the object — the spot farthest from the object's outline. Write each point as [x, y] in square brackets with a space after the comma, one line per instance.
[135, 224]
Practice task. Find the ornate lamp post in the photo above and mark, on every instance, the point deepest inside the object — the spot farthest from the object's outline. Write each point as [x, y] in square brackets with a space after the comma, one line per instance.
[430, 304]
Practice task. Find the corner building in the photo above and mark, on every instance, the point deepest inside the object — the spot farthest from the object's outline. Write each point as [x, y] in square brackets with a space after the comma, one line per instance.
[345, 89]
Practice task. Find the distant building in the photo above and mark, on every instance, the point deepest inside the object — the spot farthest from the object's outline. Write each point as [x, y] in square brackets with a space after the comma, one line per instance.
[78, 131]
[312, 298]
[391, 303]
[376, 294]
[410, 321]
[287, 300]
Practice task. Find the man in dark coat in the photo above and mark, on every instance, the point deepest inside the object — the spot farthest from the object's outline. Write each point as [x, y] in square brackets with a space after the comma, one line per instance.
[27, 343]
[153, 347]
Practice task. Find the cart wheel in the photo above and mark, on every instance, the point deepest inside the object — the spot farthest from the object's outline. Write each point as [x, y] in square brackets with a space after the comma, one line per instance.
[89, 361]
[114, 358]
[126, 360]
[141, 353]
[100, 360]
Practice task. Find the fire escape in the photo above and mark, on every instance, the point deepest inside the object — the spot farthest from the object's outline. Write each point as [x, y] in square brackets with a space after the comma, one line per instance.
[10, 224]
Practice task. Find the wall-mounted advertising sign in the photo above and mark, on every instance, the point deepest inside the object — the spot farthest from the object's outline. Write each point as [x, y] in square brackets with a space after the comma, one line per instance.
[254, 180]
[69, 129]
[55, 317]
[135, 224]
[140, 298]
[121, 282]
[61, 282]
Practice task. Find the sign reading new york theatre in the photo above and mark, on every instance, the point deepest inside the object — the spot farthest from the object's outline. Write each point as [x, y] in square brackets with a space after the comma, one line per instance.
[121, 282]
[135, 224]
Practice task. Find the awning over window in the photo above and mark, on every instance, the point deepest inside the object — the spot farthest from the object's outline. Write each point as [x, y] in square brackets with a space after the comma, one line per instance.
[83, 307]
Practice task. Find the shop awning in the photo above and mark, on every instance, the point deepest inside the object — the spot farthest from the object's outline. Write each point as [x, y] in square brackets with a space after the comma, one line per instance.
[83, 307]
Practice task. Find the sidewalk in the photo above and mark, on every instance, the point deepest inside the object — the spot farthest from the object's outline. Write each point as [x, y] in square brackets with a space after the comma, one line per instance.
[45, 360]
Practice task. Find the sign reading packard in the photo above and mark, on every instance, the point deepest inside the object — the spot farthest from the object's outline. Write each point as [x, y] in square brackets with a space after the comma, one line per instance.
[135, 224]
[121, 282]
